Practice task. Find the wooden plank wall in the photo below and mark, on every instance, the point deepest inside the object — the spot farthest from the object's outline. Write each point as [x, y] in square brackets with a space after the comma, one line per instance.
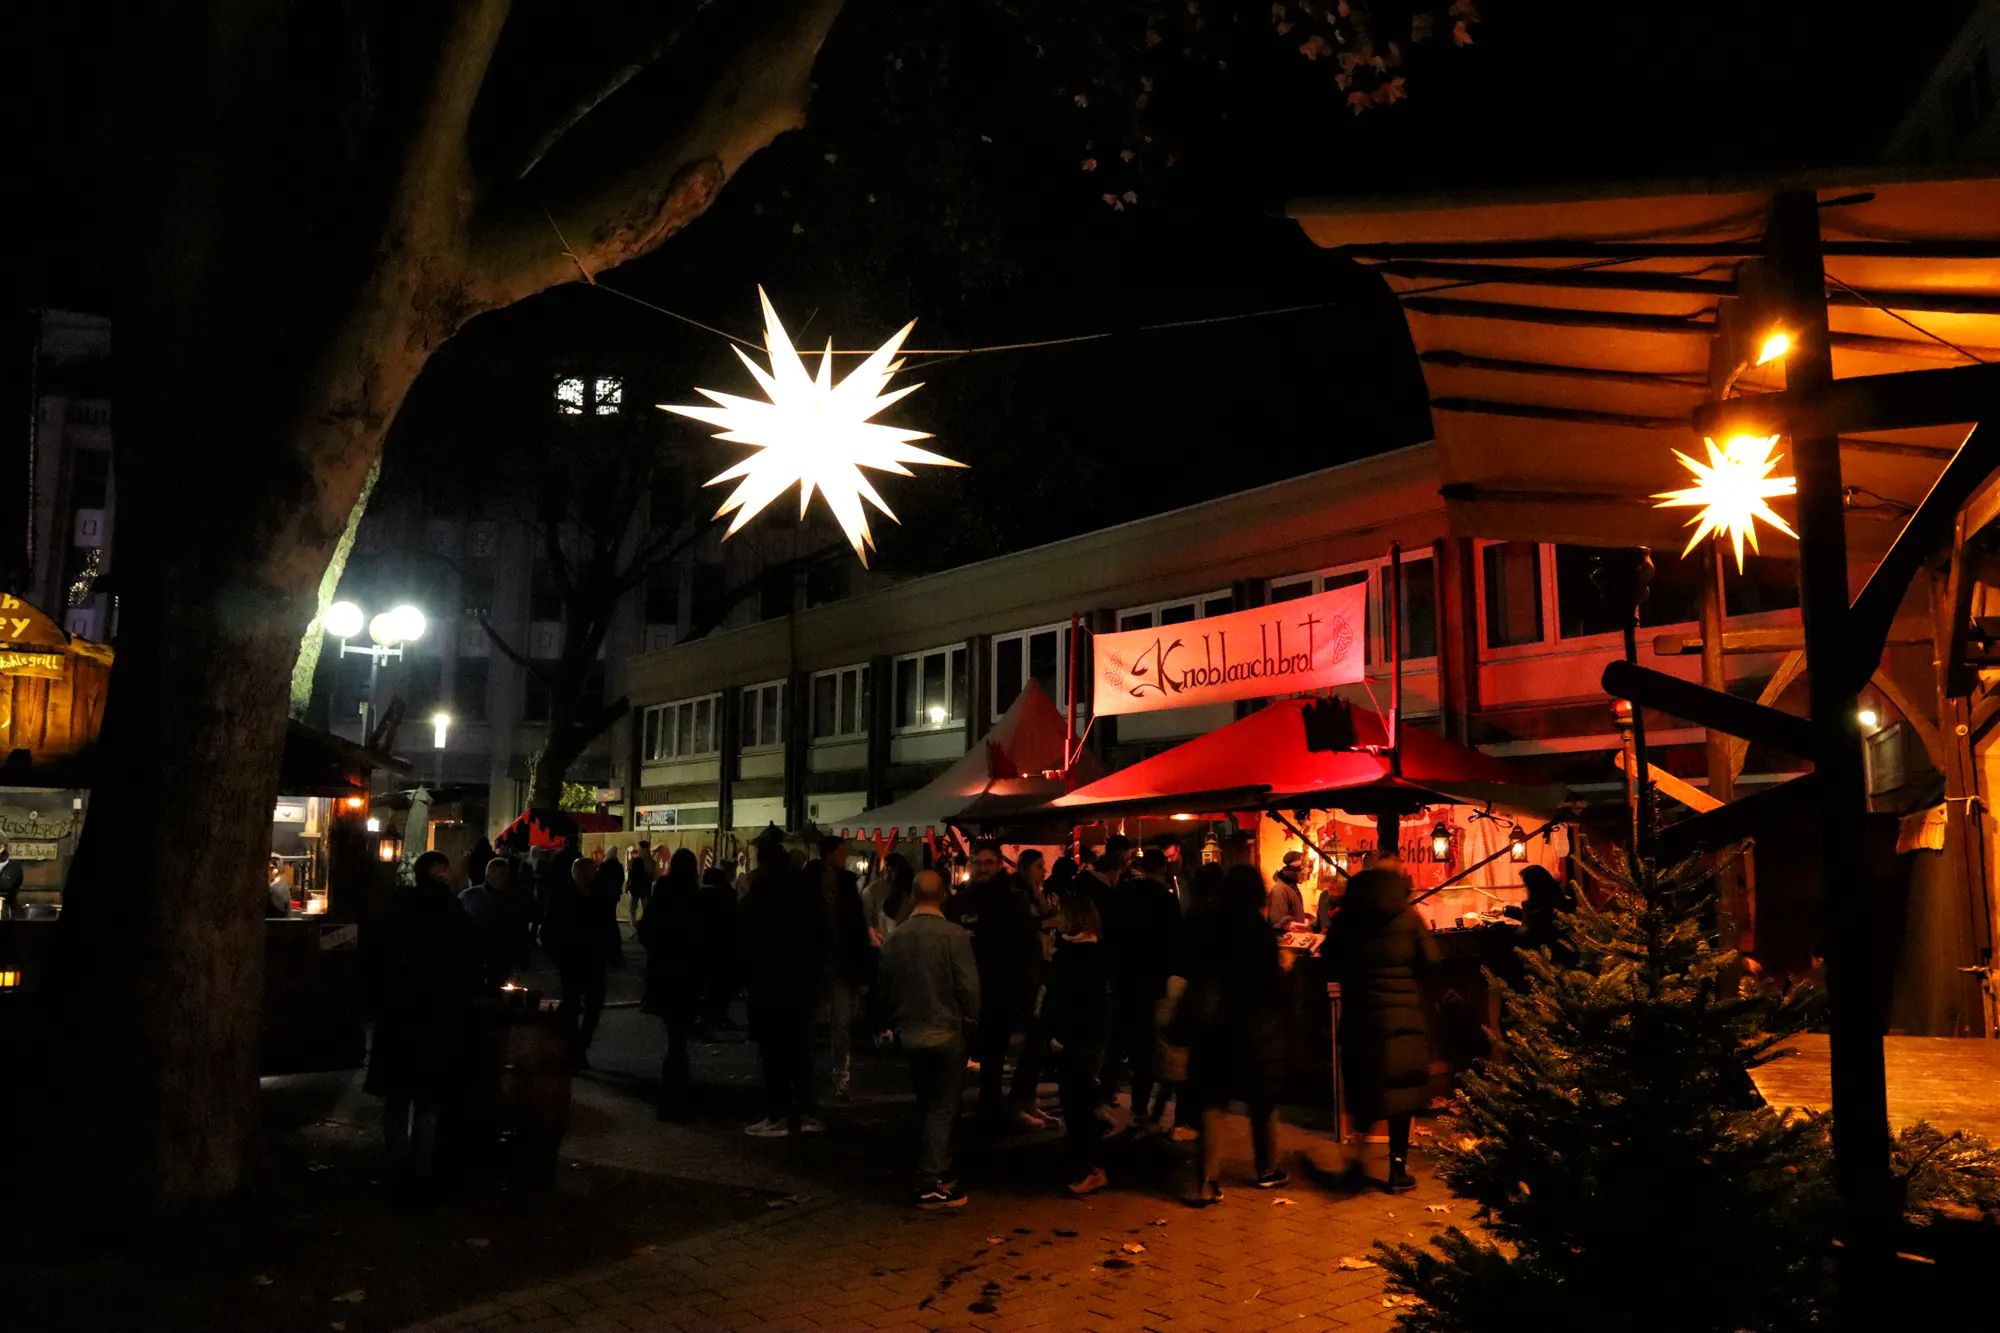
[53, 718]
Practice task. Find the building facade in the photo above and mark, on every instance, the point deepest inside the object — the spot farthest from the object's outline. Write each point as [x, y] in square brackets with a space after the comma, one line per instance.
[810, 718]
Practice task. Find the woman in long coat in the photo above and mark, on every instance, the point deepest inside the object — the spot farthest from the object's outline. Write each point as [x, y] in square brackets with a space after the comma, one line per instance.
[672, 929]
[1231, 1016]
[1380, 949]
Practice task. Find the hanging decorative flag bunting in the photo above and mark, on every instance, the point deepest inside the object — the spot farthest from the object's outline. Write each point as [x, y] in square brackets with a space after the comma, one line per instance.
[814, 432]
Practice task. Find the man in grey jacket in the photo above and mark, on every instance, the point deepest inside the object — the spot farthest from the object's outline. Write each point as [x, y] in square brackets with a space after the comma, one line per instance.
[932, 981]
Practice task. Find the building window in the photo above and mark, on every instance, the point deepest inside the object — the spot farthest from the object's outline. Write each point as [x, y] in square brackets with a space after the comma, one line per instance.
[826, 582]
[684, 729]
[1176, 612]
[1673, 597]
[423, 685]
[544, 598]
[1767, 583]
[1512, 572]
[468, 689]
[774, 595]
[601, 396]
[1419, 620]
[840, 704]
[535, 699]
[931, 689]
[475, 594]
[663, 596]
[764, 716]
[1040, 655]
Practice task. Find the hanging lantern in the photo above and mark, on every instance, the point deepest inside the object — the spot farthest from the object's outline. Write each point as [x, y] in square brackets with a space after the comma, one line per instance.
[814, 432]
[1211, 850]
[1517, 844]
[1440, 841]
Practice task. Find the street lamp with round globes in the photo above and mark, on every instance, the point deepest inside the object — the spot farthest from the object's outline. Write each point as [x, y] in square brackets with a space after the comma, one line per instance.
[389, 631]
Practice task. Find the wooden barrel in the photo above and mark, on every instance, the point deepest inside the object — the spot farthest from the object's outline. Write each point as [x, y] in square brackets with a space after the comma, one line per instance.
[516, 1108]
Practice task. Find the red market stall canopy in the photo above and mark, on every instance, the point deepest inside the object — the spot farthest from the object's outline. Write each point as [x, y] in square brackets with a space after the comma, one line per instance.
[1004, 773]
[1262, 762]
[1566, 335]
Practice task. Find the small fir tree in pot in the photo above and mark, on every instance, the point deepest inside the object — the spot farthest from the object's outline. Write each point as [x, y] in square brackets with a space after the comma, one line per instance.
[1616, 1148]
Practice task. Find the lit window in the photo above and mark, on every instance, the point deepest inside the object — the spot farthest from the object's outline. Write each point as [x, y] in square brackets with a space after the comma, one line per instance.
[569, 397]
[931, 689]
[608, 395]
[1177, 612]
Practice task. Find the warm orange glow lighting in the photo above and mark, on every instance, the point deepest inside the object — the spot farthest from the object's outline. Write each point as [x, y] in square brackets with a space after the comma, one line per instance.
[9, 979]
[1774, 347]
[389, 849]
[356, 802]
[1183, 818]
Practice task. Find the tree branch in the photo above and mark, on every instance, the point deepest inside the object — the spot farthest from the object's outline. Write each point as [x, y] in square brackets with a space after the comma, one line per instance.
[509, 651]
[604, 90]
[755, 93]
[436, 159]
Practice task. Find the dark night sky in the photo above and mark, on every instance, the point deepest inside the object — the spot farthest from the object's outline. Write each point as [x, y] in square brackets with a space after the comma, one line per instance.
[949, 189]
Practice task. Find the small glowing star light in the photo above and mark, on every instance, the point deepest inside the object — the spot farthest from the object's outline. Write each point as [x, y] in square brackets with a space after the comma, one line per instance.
[814, 432]
[1731, 490]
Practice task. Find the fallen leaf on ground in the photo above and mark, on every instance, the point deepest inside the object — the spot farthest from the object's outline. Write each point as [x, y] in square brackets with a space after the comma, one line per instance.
[1280, 1202]
[261, 1280]
[1134, 1247]
[1159, 1221]
[354, 1297]
[995, 1240]
[1437, 1207]
[1354, 1264]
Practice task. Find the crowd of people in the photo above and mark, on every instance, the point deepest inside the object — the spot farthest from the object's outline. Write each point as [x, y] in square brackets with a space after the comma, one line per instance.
[1129, 972]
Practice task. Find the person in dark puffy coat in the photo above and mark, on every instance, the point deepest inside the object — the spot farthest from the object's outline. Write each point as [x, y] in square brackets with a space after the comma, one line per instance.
[1380, 950]
[670, 928]
[1231, 1016]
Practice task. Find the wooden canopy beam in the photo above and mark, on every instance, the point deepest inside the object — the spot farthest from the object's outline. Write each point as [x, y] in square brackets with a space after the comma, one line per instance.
[1611, 280]
[1648, 688]
[1779, 640]
[1744, 249]
[1648, 379]
[1536, 314]
[1928, 529]
[1896, 401]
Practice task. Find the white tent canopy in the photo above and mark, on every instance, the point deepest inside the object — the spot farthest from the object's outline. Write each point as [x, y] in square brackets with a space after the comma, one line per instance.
[1007, 770]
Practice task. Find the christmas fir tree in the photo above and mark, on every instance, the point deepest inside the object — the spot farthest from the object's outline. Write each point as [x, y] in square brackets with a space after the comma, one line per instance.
[1626, 1174]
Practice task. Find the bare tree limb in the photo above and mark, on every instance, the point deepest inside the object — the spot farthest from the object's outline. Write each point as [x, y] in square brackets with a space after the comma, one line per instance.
[437, 151]
[509, 651]
[605, 89]
[753, 95]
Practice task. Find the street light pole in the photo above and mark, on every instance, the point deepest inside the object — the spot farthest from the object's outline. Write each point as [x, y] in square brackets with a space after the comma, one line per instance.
[439, 724]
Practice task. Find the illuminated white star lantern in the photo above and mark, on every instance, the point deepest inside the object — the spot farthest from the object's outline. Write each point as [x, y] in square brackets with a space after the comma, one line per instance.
[1731, 490]
[814, 432]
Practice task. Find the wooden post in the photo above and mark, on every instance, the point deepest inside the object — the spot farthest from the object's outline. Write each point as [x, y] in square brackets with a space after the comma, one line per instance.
[1731, 911]
[1395, 659]
[1860, 1105]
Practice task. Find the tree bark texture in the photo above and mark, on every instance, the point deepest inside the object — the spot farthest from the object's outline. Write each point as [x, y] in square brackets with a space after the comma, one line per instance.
[267, 344]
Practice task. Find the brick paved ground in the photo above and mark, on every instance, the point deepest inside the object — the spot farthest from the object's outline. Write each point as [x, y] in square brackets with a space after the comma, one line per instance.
[838, 1246]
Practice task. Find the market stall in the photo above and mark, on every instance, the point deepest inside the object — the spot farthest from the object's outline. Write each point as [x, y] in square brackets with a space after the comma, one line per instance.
[1017, 766]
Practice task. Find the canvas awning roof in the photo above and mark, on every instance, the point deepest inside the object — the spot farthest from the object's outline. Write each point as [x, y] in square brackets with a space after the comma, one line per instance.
[1557, 398]
[1000, 775]
[1261, 762]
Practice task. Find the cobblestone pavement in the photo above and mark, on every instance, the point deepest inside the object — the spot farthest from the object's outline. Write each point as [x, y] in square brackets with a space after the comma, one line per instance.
[839, 1247]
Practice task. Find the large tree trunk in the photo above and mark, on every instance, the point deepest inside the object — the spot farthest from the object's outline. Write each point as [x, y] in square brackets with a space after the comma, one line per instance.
[274, 329]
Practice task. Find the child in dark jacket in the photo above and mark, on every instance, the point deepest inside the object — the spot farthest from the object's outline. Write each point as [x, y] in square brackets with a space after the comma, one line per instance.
[1077, 1009]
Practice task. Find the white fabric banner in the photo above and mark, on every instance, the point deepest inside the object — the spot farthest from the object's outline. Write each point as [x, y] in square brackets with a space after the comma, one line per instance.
[1304, 644]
